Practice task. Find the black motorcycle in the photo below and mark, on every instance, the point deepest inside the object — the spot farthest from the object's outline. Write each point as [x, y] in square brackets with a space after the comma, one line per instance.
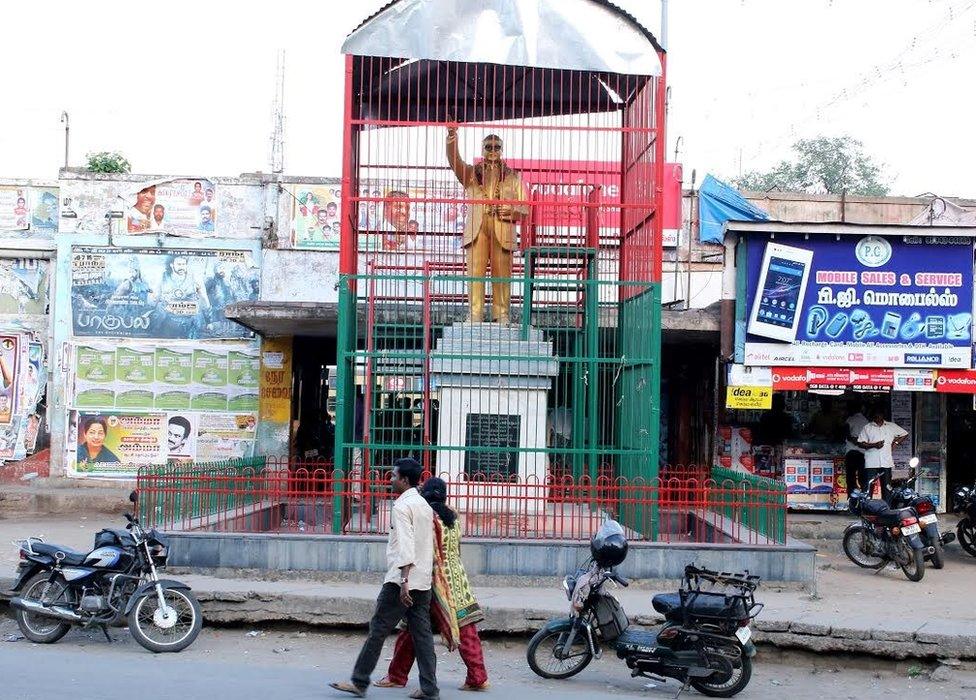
[884, 534]
[903, 495]
[704, 643]
[116, 581]
[964, 503]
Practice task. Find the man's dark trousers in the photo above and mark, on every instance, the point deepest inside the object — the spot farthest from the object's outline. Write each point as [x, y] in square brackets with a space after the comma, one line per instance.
[389, 611]
[854, 468]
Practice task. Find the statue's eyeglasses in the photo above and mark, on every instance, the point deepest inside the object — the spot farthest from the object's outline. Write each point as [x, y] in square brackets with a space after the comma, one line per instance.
[493, 147]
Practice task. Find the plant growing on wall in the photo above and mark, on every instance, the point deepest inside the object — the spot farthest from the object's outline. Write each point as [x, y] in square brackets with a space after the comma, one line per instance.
[108, 162]
[821, 165]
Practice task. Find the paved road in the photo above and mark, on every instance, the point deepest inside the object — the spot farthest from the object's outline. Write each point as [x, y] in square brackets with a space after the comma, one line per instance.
[297, 666]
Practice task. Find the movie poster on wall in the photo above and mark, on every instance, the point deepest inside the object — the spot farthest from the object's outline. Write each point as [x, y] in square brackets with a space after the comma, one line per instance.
[9, 367]
[183, 207]
[159, 293]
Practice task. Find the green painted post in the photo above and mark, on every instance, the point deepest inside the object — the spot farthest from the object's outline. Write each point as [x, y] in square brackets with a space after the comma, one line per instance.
[345, 395]
[579, 416]
[592, 324]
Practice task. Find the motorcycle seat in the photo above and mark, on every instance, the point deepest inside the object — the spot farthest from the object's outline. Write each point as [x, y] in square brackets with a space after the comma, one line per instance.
[885, 514]
[874, 507]
[698, 605]
[71, 557]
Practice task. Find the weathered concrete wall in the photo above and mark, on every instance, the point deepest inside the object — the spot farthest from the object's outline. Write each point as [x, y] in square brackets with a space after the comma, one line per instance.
[797, 206]
[791, 562]
[300, 275]
[87, 197]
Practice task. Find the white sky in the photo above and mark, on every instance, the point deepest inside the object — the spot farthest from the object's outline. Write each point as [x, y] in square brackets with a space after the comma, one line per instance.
[186, 87]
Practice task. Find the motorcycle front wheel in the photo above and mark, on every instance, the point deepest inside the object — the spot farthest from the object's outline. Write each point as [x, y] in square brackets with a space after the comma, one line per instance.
[171, 630]
[548, 658]
[733, 685]
[966, 532]
[911, 561]
[42, 629]
[859, 547]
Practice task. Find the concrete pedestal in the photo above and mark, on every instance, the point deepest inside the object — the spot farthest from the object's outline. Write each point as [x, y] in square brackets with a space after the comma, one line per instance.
[493, 391]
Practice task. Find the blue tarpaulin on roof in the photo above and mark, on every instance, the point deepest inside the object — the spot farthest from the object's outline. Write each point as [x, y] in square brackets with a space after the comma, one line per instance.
[718, 203]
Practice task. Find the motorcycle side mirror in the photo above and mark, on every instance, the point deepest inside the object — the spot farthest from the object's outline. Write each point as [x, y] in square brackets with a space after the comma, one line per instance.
[913, 463]
[134, 497]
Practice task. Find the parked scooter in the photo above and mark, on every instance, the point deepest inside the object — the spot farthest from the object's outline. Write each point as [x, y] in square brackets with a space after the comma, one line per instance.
[964, 503]
[904, 495]
[884, 534]
[704, 643]
[58, 587]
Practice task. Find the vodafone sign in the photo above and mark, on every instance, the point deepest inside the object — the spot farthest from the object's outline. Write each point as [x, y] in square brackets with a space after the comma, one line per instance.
[956, 381]
[789, 379]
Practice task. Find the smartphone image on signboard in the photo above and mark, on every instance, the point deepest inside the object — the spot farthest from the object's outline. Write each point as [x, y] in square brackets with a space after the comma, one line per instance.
[777, 308]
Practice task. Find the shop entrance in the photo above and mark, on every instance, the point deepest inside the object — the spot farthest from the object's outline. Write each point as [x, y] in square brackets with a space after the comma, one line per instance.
[313, 398]
[960, 446]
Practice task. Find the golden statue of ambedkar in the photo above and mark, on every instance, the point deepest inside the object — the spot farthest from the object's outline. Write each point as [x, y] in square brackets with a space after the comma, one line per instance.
[489, 231]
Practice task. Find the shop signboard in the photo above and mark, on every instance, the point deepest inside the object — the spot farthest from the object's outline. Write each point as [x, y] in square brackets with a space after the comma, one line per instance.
[869, 301]
[749, 397]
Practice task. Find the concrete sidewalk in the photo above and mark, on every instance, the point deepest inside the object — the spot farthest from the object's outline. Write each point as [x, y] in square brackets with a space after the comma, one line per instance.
[853, 610]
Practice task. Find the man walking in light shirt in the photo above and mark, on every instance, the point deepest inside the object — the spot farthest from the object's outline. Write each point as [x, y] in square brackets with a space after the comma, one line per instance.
[406, 590]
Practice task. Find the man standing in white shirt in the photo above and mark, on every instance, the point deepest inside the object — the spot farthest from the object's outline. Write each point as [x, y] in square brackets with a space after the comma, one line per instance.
[406, 589]
[876, 439]
[854, 458]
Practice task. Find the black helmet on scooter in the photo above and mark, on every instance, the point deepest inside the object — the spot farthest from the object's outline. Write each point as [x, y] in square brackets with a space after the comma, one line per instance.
[609, 545]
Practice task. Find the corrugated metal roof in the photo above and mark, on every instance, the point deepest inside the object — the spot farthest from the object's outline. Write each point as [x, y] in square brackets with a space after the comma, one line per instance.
[586, 35]
[606, 3]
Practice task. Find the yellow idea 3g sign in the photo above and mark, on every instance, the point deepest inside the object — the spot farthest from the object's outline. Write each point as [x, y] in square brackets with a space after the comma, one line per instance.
[755, 397]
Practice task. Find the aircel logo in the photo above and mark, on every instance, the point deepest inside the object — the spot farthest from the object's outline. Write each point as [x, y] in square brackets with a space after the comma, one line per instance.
[923, 359]
[872, 251]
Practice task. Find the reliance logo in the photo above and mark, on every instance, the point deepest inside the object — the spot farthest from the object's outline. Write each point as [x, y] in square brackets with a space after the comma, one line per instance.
[933, 358]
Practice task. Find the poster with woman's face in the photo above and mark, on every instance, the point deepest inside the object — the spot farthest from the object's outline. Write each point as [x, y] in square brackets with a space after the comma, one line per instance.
[9, 356]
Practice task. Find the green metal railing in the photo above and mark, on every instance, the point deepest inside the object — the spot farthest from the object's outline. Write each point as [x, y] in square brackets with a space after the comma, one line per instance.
[750, 501]
[198, 489]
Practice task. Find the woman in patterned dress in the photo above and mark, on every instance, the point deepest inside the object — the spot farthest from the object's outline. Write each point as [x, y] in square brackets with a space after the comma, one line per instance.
[467, 608]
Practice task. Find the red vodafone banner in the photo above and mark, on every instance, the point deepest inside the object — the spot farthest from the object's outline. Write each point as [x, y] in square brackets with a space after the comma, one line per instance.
[956, 381]
[789, 379]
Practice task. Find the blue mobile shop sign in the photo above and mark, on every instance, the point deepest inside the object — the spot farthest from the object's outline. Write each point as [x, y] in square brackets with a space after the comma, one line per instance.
[847, 301]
